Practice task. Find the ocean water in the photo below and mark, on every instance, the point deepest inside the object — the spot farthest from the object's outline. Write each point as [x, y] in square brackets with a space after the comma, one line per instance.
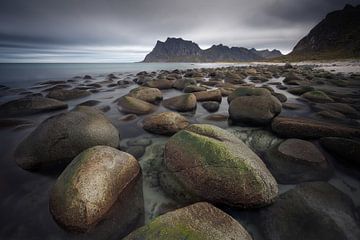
[26, 74]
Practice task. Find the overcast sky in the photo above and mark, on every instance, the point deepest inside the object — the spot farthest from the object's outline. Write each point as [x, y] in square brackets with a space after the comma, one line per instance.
[126, 30]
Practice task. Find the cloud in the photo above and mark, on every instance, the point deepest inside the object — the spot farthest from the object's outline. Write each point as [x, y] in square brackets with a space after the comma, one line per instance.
[62, 29]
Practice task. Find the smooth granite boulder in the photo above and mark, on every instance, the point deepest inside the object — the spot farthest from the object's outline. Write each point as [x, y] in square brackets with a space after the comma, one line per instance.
[136, 106]
[147, 94]
[182, 103]
[166, 123]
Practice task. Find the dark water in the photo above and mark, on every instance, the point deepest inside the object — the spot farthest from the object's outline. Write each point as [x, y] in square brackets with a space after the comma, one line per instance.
[24, 195]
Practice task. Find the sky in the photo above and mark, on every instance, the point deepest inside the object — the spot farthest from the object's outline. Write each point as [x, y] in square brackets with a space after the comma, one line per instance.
[126, 30]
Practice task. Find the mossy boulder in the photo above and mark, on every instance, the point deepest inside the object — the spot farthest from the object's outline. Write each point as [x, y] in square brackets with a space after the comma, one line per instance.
[296, 161]
[136, 106]
[310, 211]
[256, 110]
[30, 105]
[147, 94]
[62, 137]
[217, 166]
[166, 123]
[91, 185]
[194, 222]
[182, 103]
[317, 96]
[300, 90]
[248, 91]
[180, 84]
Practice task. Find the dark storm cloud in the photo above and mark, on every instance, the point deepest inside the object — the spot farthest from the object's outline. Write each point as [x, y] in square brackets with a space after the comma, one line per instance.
[120, 30]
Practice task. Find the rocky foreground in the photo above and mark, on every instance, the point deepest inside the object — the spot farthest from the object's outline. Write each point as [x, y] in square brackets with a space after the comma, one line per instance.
[261, 141]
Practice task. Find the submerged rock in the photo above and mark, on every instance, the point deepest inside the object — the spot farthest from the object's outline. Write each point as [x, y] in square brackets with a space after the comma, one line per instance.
[258, 110]
[136, 106]
[182, 103]
[166, 123]
[211, 106]
[91, 185]
[64, 94]
[197, 221]
[311, 211]
[293, 127]
[30, 105]
[215, 165]
[62, 137]
[295, 161]
[147, 94]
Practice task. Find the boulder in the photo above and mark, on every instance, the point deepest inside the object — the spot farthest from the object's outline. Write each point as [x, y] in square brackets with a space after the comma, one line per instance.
[159, 83]
[248, 91]
[296, 161]
[305, 128]
[90, 186]
[180, 84]
[30, 105]
[211, 106]
[317, 96]
[216, 166]
[182, 103]
[300, 90]
[136, 106]
[343, 149]
[166, 123]
[193, 88]
[257, 110]
[62, 137]
[212, 95]
[310, 211]
[197, 221]
[151, 95]
[64, 94]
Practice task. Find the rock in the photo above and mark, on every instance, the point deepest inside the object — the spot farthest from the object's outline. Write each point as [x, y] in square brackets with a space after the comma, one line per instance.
[13, 122]
[330, 114]
[182, 103]
[294, 127]
[317, 96]
[217, 117]
[87, 77]
[90, 186]
[257, 110]
[151, 95]
[197, 221]
[215, 165]
[300, 90]
[159, 83]
[212, 95]
[136, 106]
[90, 103]
[248, 91]
[311, 211]
[166, 123]
[338, 107]
[62, 137]
[64, 94]
[295, 161]
[180, 84]
[136, 151]
[193, 88]
[30, 105]
[128, 117]
[292, 78]
[292, 106]
[345, 150]
[211, 106]
[281, 97]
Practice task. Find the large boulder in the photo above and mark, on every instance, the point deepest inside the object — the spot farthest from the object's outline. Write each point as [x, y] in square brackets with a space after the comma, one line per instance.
[216, 166]
[345, 150]
[317, 96]
[248, 91]
[296, 160]
[182, 103]
[159, 83]
[30, 105]
[258, 110]
[151, 95]
[166, 123]
[212, 95]
[90, 186]
[64, 94]
[304, 128]
[311, 211]
[136, 106]
[211, 106]
[180, 84]
[197, 221]
[62, 137]
[193, 88]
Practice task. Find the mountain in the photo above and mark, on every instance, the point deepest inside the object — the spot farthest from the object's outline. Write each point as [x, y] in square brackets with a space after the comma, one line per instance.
[179, 50]
[336, 36]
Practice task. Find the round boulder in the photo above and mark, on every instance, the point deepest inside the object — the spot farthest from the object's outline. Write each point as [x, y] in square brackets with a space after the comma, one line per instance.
[62, 137]
[217, 166]
[136, 106]
[166, 123]
[248, 91]
[64, 94]
[90, 185]
[151, 95]
[182, 103]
